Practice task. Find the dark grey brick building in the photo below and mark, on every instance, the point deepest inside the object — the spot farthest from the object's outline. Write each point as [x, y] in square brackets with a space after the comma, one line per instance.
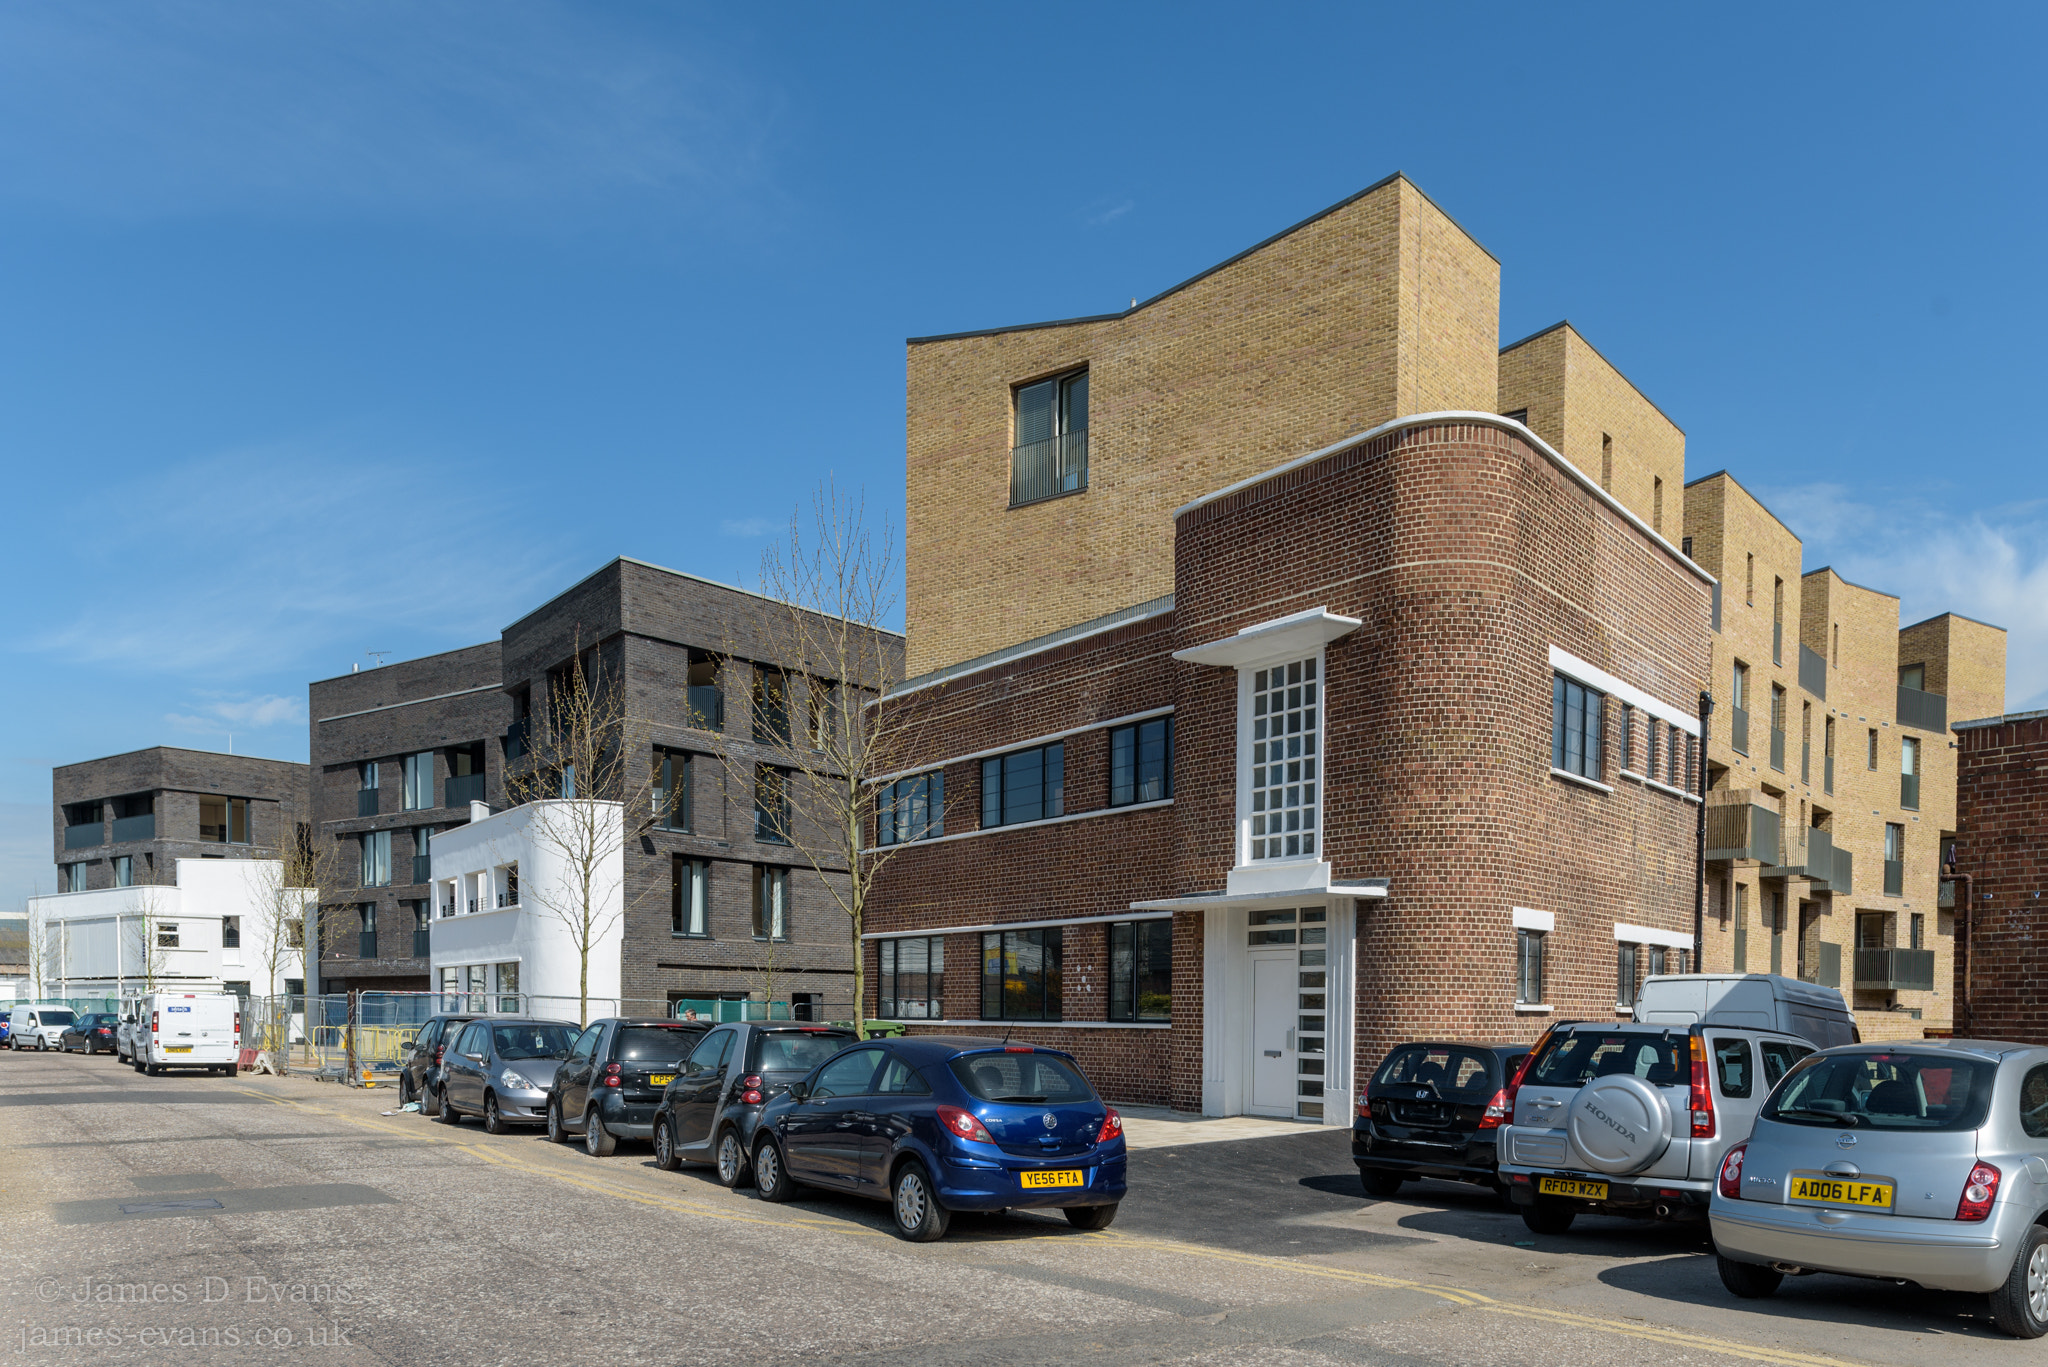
[690, 652]
[121, 820]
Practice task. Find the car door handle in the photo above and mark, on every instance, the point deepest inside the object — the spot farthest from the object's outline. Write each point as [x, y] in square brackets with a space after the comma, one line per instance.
[1272, 1053]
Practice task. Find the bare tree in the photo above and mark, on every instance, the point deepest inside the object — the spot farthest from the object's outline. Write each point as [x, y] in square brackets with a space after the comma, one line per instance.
[38, 955]
[146, 931]
[287, 892]
[819, 745]
[591, 789]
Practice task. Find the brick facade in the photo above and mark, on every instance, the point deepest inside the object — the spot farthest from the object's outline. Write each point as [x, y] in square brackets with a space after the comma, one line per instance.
[172, 782]
[1998, 878]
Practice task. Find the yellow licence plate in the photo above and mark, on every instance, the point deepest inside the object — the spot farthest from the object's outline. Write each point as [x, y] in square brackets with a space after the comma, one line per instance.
[177, 1048]
[1839, 1191]
[662, 1079]
[1571, 1186]
[1064, 1177]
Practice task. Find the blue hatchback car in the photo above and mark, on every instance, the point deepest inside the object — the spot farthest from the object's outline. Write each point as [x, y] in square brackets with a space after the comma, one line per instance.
[933, 1124]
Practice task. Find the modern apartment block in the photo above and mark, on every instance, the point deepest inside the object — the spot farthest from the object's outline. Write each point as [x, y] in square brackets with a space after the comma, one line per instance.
[1996, 877]
[1831, 769]
[712, 906]
[122, 821]
[1282, 699]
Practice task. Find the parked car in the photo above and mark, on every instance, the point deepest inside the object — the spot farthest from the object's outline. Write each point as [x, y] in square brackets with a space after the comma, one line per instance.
[39, 1025]
[1768, 1001]
[501, 1069]
[1434, 1109]
[186, 1030]
[1627, 1119]
[1922, 1161]
[709, 1111]
[124, 1032]
[933, 1124]
[5, 1018]
[90, 1033]
[419, 1075]
[612, 1082]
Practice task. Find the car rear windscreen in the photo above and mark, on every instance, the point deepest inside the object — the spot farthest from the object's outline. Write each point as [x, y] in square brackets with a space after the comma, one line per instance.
[1885, 1091]
[1029, 1079]
[532, 1041]
[657, 1043]
[1575, 1058]
[1457, 1074]
[795, 1051]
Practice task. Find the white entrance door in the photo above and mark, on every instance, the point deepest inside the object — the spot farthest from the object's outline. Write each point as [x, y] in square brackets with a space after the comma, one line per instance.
[1273, 1054]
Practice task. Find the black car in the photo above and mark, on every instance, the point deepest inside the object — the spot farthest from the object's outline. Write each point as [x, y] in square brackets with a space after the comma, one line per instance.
[1434, 1109]
[91, 1033]
[614, 1078]
[709, 1110]
[419, 1075]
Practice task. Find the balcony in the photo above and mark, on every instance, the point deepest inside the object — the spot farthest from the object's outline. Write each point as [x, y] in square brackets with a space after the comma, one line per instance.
[1922, 711]
[1778, 748]
[135, 827]
[1046, 469]
[1895, 970]
[86, 836]
[1843, 880]
[423, 868]
[1778, 642]
[1827, 775]
[1894, 877]
[1738, 730]
[1813, 672]
[1909, 792]
[422, 943]
[707, 707]
[366, 802]
[1742, 831]
[463, 789]
[1816, 862]
[1828, 971]
[518, 737]
[1946, 897]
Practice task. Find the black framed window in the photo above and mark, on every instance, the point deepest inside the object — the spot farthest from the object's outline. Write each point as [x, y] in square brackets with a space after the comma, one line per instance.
[771, 804]
[911, 809]
[1626, 958]
[1529, 967]
[771, 707]
[671, 790]
[1051, 454]
[771, 903]
[911, 978]
[231, 932]
[1575, 727]
[689, 910]
[1141, 970]
[1141, 762]
[1020, 975]
[1024, 785]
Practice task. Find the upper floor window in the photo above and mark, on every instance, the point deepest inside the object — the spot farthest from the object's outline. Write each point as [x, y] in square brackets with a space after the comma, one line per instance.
[1141, 762]
[1285, 727]
[689, 896]
[224, 820]
[376, 865]
[911, 809]
[419, 781]
[370, 774]
[1051, 454]
[1575, 727]
[1024, 785]
[124, 870]
[706, 700]
[771, 707]
[230, 932]
[1913, 676]
[771, 804]
[771, 903]
[671, 790]
[72, 877]
[1909, 773]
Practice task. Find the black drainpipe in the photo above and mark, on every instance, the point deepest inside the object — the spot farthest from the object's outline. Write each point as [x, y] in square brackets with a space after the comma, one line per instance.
[1699, 860]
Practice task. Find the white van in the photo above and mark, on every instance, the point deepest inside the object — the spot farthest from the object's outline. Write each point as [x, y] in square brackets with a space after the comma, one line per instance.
[1759, 1001]
[187, 1030]
[38, 1025]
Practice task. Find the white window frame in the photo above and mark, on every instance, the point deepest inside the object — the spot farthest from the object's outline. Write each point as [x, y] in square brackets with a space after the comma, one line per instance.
[1246, 674]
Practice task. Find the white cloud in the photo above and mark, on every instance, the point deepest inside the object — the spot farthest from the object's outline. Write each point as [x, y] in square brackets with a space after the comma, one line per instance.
[1991, 565]
[1102, 214]
[245, 714]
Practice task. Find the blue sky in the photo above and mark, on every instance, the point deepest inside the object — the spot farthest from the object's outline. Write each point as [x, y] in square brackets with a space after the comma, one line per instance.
[337, 328]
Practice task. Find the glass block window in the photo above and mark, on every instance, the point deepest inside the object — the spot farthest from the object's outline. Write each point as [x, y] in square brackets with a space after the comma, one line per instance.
[1283, 761]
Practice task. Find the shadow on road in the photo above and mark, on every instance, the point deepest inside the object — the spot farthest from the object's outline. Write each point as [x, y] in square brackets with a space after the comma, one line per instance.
[1814, 1299]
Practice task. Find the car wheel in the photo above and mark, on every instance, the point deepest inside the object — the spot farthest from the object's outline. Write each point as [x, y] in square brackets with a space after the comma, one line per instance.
[1380, 1184]
[1090, 1217]
[446, 1113]
[2020, 1307]
[665, 1145]
[771, 1182]
[430, 1103]
[1748, 1280]
[150, 1070]
[405, 1096]
[556, 1134]
[598, 1141]
[1548, 1217]
[732, 1160]
[919, 1216]
[494, 1119]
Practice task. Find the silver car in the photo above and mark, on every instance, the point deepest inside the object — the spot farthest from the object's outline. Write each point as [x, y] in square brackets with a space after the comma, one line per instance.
[1922, 1161]
[501, 1069]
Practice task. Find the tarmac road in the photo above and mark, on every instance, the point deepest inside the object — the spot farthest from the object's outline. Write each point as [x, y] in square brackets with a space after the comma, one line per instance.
[204, 1220]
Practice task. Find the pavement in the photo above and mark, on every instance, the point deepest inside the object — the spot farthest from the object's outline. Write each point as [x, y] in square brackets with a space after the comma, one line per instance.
[187, 1219]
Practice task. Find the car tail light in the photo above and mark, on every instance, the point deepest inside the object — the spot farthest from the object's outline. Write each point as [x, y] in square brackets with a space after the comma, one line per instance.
[1364, 1107]
[238, 1025]
[1731, 1172]
[152, 1023]
[611, 1076]
[1509, 1092]
[962, 1125]
[437, 1054]
[1018, 1049]
[1112, 1126]
[1702, 1093]
[751, 1095]
[1978, 1193]
[1496, 1113]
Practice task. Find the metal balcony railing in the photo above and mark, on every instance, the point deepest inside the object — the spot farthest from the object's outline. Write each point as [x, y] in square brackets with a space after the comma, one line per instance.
[1813, 672]
[366, 945]
[1778, 748]
[1909, 792]
[518, 737]
[1827, 972]
[463, 789]
[1827, 774]
[1738, 730]
[135, 827]
[1946, 897]
[1742, 831]
[1922, 711]
[1843, 880]
[422, 943]
[85, 836]
[1046, 469]
[707, 707]
[1894, 877]
[423, 868]
[1895, 970]
[366, 801]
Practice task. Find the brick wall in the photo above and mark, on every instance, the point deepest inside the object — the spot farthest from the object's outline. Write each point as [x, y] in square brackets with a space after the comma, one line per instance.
[2001, 967]
[176, 779]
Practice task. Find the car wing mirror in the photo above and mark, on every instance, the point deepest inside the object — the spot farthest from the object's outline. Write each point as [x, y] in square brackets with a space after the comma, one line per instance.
[799, 1091]
[474, 1058]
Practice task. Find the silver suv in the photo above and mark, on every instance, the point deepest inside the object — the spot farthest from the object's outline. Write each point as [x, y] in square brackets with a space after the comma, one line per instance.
[1631, 1119]
[1923, 1161]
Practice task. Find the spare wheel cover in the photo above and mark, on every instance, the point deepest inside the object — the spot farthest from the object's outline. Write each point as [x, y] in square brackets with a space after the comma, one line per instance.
[1619, 1124]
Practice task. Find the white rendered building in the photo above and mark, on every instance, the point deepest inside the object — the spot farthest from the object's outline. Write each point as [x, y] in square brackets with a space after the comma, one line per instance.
[206, 931]
[507, 907]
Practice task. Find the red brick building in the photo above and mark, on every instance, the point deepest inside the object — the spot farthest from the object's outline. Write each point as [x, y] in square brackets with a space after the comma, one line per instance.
[1996, 875]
